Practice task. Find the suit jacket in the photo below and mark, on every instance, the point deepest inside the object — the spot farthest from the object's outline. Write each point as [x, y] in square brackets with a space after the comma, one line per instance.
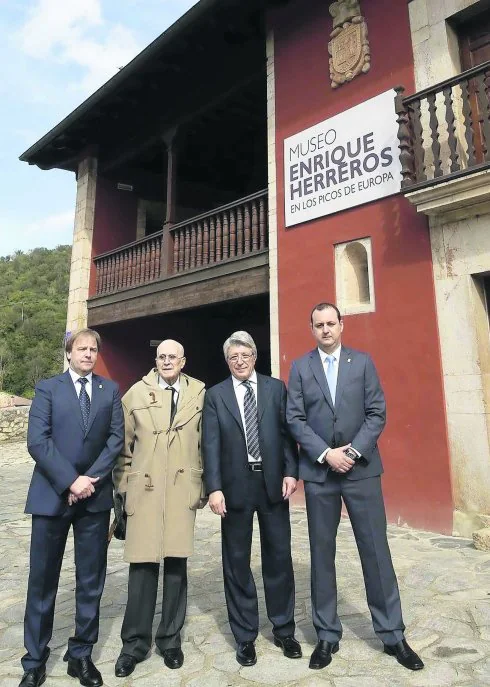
[358, 417]
[224, 445]
[63, 450]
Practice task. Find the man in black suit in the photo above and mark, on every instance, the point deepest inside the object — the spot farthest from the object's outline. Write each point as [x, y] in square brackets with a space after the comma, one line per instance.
[336, 412]
[75, 433]
[250, 465]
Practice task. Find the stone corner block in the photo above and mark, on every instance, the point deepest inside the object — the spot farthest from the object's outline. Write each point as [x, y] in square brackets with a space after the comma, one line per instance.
[481, 539]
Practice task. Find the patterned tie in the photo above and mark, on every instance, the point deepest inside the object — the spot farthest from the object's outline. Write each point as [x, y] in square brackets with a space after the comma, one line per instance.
[251, 421]
[331, 381]
[84, 399]
[173, 404]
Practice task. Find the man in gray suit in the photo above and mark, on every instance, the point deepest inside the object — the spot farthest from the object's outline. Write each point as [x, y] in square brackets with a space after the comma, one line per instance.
[336, 412]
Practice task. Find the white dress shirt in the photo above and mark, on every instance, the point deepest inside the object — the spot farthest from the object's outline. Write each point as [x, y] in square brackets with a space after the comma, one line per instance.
[175, 386]
[240, 390]
[88, 386]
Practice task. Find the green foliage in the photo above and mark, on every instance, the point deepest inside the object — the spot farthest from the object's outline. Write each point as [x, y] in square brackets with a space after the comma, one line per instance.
[33, 300]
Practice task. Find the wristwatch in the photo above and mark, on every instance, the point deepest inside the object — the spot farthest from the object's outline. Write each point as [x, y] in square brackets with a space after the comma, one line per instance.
[350, 453]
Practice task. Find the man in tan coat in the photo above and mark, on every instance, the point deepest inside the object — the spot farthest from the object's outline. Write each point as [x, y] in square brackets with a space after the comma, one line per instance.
[160, 473]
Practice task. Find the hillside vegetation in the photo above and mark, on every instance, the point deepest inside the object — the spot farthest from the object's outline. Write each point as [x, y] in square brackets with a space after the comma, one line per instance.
[33, 300]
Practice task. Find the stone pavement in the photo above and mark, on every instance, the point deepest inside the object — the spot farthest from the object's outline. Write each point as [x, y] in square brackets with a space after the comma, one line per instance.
[445, 588]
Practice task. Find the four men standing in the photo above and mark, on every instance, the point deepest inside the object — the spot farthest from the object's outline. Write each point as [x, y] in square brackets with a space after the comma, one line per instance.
[335, 412]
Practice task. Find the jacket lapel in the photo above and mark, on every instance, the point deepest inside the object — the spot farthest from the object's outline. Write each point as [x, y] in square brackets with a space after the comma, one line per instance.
[263, 394]
[345, 367]
[319, 374]
[72, 397]
[97, 390]
[229, 400]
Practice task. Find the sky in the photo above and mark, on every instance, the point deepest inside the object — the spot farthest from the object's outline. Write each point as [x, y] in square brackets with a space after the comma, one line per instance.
[54, 54]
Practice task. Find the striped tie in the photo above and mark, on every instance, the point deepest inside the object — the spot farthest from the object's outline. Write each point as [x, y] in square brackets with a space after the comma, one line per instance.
[84, 399]
[251, 421]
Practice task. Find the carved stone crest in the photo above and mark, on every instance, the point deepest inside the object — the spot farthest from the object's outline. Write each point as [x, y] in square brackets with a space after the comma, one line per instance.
[349, 45]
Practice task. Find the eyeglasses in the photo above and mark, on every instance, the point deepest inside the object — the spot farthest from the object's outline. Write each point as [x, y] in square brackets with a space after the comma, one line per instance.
[244, 356]
[172, 358]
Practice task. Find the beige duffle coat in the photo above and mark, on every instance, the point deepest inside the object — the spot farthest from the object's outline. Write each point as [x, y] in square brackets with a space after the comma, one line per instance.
[160, 469]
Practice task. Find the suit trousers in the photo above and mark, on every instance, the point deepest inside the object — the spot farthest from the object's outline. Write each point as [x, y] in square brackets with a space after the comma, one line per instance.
[364, 502]
[277, 566]
[136, 631]
[48, 540]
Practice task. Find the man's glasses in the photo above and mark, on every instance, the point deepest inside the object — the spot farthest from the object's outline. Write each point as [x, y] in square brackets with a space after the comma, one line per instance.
[172, 358]
[244, 356]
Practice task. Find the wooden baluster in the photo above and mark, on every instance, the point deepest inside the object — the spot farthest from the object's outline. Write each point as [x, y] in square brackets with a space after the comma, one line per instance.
[187, 248]
[102, 276]
[404, 137]
[137, 271]
[181, 233]
[451, 128]
[193, 246]
[239, 230]
[484, 108]
[158, 257]
[131, 267]
[147, 261]
[219, 239]
[176, 251]
[418, 141]
[469, 135]
[117, 280]
[232, 232]
[255, 226]
[151, 271]
[262, 223]
[246, 228]
[212, 240]
[125, 261]
[205, 243]
[226, 235]
[434, 127]
[199, 244]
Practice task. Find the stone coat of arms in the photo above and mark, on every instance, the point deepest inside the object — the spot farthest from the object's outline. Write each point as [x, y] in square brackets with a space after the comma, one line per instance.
[349, 45]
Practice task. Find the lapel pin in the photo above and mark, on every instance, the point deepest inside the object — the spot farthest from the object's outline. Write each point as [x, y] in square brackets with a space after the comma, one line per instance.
[100, 386]
[348, 360]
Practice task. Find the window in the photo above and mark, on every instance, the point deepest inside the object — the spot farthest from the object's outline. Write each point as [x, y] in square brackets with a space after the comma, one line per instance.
[354, 276]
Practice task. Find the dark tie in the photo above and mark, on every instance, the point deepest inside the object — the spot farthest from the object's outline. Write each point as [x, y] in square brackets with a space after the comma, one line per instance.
[84, 399]
[251, 421]
[173, 404]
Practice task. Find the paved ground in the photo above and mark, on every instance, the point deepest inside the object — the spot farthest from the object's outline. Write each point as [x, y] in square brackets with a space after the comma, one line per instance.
[445, 587]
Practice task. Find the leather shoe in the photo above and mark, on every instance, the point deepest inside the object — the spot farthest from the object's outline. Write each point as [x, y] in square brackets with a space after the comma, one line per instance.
[85, 671]
[404, 655]
[245, 654]
[173, 658]
[125, 665]
[33, 677]
[290, 646]
[322, 655]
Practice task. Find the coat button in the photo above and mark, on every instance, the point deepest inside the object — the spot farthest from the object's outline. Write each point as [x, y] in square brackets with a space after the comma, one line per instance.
[155, 432]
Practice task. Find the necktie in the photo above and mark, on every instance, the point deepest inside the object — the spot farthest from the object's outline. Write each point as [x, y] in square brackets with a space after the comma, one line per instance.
[84, 399]
[173, 404]
[251, 421]
[331, 380]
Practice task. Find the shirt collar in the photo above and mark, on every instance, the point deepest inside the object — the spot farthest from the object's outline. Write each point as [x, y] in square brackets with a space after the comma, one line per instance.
[75, 376]
[336, 354]
[252, 379]
[163, 384]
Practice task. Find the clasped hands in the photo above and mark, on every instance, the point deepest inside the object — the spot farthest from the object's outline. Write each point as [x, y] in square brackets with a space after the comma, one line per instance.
[82, 488]
[338, 461]
[217, 501]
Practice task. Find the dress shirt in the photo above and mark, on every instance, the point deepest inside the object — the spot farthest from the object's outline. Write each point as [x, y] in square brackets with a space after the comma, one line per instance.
[240, 390]
[175, 386]
[88, 386]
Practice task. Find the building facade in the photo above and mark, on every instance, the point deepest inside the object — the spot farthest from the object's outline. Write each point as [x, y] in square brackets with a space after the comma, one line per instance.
[229, 177]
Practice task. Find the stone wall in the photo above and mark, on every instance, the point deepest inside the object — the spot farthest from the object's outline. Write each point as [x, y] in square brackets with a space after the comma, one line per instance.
[13, 424]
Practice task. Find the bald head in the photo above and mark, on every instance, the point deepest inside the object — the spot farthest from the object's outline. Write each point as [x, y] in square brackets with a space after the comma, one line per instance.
[170, 360]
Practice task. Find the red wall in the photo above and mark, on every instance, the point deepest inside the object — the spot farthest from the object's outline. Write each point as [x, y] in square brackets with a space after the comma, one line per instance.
[114, 221]
[402, 334]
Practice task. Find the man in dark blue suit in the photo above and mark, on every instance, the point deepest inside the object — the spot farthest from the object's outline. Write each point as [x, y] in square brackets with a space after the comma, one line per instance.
[250, 465]
[75, 433]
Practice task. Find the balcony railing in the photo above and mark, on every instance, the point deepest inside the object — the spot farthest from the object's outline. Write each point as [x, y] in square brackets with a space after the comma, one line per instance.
[232, 231]
[444, 131]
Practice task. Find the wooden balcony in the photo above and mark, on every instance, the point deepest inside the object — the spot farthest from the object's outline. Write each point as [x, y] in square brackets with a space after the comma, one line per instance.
[444, 131]
[216, 256]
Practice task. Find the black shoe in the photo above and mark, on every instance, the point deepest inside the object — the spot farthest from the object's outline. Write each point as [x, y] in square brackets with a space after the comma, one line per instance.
[85, 671]
[125, 665]
[245, 654]
[322, 656]
[404, 655]
[173, 658]
[33, 677]
[290, 646]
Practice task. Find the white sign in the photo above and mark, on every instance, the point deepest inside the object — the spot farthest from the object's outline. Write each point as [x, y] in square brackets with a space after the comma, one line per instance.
[347, 160]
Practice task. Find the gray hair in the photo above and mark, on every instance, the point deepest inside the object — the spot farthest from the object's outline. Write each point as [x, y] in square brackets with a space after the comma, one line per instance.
[239, 339]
